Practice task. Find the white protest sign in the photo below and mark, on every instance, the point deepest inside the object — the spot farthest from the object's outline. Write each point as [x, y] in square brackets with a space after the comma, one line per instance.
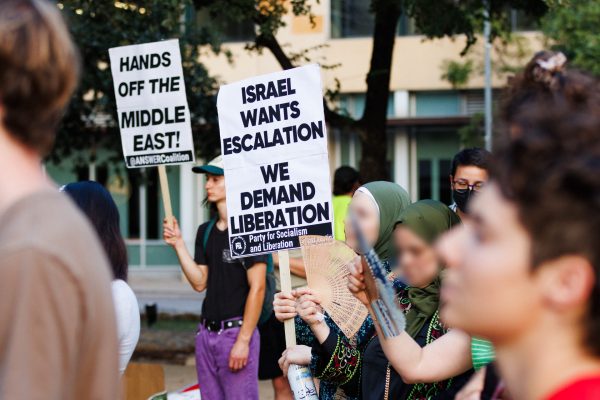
[154, 117]
[274, 147]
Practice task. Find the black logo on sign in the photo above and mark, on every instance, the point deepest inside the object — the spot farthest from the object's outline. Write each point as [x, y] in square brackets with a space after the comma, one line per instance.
[238, 246]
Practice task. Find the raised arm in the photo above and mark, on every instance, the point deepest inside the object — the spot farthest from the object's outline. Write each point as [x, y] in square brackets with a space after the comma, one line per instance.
[446, 357]
[196, 274]
[296, 265]
[442, 359]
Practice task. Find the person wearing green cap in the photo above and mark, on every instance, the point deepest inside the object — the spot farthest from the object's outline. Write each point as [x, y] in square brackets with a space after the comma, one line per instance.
[228, 341]
[377, 205]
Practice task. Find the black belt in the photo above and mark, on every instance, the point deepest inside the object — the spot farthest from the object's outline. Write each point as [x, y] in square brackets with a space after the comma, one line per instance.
[218, 326]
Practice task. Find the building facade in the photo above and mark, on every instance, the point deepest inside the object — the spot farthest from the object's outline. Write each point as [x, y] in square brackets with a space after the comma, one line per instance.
[425, 114]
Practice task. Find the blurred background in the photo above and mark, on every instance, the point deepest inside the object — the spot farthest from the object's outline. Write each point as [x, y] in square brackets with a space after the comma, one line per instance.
[404, 83]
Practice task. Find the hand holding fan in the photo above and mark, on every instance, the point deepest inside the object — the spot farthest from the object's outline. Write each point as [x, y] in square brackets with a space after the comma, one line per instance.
[326, 261]
[380, 291]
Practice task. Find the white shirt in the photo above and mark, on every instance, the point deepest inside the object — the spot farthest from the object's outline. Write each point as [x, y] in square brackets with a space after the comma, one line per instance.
[128, 321]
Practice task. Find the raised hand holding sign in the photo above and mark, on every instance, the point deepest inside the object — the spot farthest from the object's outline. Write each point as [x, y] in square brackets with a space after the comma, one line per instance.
[154, 118]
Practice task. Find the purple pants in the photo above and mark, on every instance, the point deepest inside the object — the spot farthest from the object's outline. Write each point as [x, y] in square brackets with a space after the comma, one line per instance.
[216, 380]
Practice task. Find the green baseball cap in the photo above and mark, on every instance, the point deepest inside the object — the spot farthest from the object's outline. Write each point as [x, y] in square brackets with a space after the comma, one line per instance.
[214, 167]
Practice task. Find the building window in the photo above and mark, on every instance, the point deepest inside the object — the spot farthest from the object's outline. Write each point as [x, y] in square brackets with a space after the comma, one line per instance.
[407, 26]
[474, 103]
[444, 173]
[137, 195]
[437, 104]
[133, 206]
[436, 146]
[350, 151]
[353, 18]
[433, 180]
[521, 21]
[144, 194]
[229, 29]
[425, 179]
[353, 105]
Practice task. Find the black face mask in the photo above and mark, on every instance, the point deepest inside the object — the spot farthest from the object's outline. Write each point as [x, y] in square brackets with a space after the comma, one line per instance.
[462, 198]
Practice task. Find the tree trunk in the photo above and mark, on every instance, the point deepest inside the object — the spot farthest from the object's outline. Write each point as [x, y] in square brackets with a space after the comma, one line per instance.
[372, 127]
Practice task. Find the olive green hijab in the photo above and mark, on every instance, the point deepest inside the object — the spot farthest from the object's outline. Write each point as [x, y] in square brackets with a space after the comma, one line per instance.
[391, 199]
[428, 219]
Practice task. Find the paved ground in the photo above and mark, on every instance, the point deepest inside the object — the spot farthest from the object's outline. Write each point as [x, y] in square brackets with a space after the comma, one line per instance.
[178, 376]
[173, 295]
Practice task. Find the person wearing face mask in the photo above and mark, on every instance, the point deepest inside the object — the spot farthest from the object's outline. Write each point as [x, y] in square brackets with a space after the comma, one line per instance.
[469, 174]
[377, 205]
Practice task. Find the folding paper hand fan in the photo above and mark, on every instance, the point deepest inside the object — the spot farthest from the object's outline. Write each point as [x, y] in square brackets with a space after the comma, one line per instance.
[326, 261]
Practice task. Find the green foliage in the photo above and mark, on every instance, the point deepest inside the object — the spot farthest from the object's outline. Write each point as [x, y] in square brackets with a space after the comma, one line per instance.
[511, 52]
[91, 120]
[456, 72]
[97, 25]
[439, 18]
[573, 29]
[267, 15]
[472, 135]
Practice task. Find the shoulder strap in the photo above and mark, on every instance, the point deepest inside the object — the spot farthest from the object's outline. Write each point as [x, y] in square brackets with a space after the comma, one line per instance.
[207, 231]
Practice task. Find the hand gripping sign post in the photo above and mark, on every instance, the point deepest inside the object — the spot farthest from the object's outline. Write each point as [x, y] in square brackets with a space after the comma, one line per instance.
[154, 118]
[274, 147]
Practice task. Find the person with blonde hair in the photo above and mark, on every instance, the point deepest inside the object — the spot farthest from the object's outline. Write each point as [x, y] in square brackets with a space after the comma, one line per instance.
[228, 340]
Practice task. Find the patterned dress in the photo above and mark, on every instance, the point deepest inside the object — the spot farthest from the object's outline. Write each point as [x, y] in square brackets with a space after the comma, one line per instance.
[333, 389]
[339, 360]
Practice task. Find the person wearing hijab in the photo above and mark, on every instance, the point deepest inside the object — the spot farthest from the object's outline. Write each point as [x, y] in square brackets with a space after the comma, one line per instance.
[376, 205]
[416, 230]
[372, 377]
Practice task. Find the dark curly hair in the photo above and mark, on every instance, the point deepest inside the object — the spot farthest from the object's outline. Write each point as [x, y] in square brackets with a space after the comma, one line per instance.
[551, 169]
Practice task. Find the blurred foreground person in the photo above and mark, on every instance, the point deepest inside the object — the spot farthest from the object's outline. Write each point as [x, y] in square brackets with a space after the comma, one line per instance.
[100, 208]
[526, 272]
[228, 341]
[57, 325]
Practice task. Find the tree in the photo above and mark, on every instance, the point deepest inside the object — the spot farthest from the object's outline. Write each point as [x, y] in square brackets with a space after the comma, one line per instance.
[433, 18]
[573, 29]
[90, 122]
[472, 135]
